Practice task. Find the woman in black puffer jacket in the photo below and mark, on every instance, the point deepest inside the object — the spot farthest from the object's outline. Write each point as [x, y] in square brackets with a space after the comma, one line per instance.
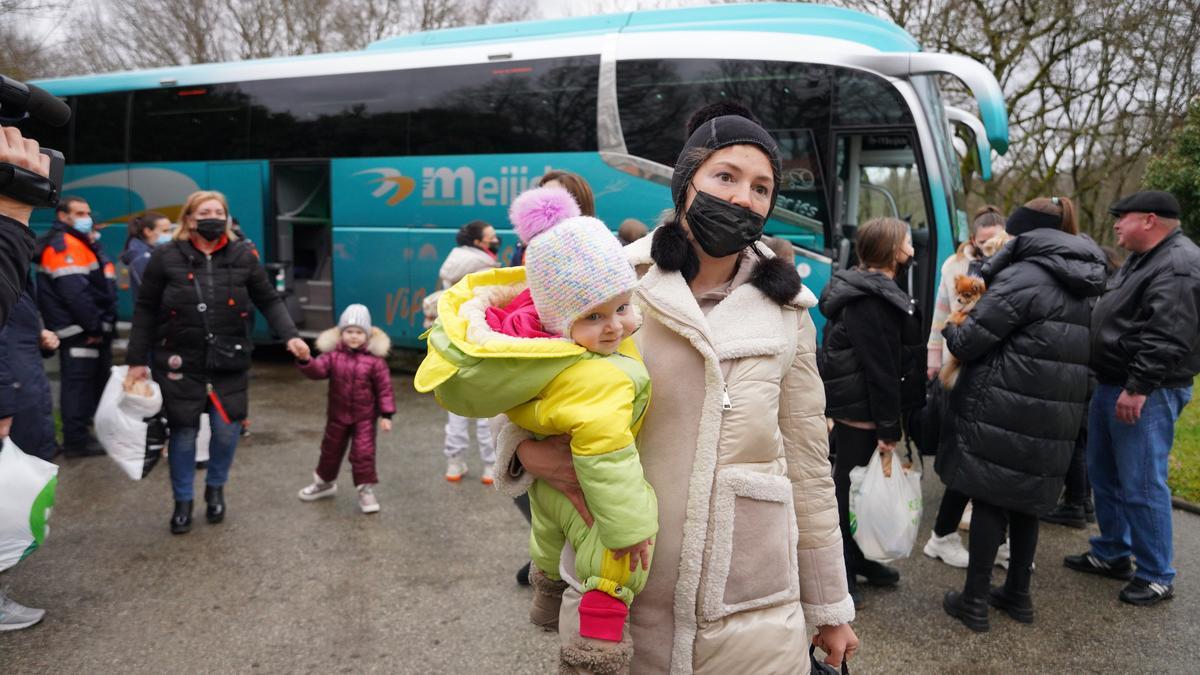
[872, 363]
[1020, 398]
[191, 315]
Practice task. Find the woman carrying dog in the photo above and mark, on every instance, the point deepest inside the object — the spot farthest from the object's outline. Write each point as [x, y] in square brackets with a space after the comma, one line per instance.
[1016, 409]
[944, 542]
[871, 365]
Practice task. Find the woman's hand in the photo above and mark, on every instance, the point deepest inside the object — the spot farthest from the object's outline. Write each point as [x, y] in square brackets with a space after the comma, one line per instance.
[137, 373]
[550, 460]
[838, 642]
[299, 349]
[48, 341]
[385, 424]
[638, 553]
[885, 447]
[932, 372]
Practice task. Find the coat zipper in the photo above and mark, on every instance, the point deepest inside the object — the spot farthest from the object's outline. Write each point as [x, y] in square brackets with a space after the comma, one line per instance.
[726, 402]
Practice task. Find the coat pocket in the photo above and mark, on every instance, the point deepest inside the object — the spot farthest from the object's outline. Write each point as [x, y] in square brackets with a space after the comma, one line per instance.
[752, 562]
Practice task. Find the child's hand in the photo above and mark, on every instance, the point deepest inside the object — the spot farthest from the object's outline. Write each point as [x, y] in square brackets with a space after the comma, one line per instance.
[385, 424]
[637, 553]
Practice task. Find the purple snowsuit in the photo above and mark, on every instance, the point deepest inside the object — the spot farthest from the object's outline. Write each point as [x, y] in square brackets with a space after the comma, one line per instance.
[360, 391]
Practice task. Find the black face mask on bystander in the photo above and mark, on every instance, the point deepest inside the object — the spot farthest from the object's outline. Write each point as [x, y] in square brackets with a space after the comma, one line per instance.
[722, 228]
[210, 228]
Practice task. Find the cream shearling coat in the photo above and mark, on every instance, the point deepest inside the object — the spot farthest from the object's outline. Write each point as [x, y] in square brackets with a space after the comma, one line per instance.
[748, 559]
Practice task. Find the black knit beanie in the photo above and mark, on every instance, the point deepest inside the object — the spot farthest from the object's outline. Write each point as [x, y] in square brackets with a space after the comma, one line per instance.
[717, 126]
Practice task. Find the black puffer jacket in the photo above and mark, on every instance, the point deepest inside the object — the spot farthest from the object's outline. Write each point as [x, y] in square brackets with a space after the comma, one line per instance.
[167, 322]
[873, 354]
[1016, 410]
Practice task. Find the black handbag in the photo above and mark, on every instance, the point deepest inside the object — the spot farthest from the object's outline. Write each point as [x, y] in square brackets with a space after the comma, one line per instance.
[226, 353]
[818, 667]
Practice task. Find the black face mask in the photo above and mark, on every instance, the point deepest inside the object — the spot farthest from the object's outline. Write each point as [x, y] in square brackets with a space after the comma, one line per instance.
[210, 228]
[494, 247]
[722, 228]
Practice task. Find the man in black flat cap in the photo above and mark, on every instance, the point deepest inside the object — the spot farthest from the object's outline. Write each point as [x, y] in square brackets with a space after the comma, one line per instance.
[1145, 351]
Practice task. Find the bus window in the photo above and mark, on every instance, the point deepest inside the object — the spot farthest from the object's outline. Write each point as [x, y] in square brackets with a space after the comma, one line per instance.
[520, 106]
[655, 98]
[98, 127]
[353, 115]
[864, 99]
[189, 124]
[878, 177]
[508, 107]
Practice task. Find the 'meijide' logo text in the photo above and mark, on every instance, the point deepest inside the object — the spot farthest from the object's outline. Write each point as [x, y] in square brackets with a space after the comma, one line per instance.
[460, 187]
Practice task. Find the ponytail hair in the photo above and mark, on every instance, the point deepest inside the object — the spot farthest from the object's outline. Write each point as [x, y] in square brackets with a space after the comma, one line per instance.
[1062, 207]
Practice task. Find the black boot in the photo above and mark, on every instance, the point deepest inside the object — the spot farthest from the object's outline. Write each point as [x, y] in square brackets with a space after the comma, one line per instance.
[215, 498]
[876, 573]
[181, 520]
[1089, 509]
[971, 611]
[1018, 604]
[1068, 514]
[523, 574]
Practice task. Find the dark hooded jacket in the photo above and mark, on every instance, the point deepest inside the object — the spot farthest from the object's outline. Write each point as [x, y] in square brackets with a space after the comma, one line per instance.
[167, 322]
[873, 355]
[1017, 408]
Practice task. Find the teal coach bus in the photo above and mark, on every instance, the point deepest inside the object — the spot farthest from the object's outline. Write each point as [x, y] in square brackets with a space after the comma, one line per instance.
[352, 171]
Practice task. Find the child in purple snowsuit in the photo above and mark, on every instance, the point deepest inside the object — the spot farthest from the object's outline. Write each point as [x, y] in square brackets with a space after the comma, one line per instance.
[360, 392]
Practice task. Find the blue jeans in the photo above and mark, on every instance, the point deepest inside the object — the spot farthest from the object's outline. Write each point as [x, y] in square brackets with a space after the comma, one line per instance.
[182, 455]
[1127, 464]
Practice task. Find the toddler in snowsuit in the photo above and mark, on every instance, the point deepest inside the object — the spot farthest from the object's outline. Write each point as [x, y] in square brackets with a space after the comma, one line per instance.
[549, 345]
[360, 392]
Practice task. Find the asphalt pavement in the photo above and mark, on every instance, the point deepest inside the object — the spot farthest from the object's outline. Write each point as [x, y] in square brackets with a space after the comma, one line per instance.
[427, 585]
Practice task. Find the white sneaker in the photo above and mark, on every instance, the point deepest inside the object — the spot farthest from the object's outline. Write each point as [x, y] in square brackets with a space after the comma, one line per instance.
[456, 468]
[489, 474]
[318, 490]
[964, 523]
[366, 498]
[15, 616]
[1003, 554]
[949, 549]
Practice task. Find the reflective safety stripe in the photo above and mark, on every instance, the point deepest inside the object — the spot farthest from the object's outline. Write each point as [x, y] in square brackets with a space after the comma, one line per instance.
[106, 326]
[70, 331]
[68, 270]
[83, 353]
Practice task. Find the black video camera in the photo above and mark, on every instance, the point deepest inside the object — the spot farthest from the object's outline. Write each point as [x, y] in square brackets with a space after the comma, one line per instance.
[18, 101]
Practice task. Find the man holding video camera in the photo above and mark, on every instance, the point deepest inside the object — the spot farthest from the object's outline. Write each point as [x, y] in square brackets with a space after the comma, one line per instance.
[16, 240]
[16, 251]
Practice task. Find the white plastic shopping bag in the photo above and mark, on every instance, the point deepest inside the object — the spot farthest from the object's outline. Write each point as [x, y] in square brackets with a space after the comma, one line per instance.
[122, 423]
[203, 436]
[26, 498]
[885, 511]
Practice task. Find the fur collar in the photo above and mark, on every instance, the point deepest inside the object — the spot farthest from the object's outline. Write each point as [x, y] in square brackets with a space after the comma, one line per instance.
[746, 323]
[331, 340]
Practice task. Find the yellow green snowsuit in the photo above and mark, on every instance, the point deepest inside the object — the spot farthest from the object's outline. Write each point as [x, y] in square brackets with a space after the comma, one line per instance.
[549, 387]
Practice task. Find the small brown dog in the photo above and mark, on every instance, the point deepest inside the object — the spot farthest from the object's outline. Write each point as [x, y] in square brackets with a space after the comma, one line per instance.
[967, 290]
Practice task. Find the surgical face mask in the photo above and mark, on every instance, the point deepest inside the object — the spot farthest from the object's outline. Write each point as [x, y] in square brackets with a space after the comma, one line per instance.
[163, 238]
[83, 224]
[722, 228]
[210, 228]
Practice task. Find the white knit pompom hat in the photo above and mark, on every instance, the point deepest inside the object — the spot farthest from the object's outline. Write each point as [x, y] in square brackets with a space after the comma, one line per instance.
[356, 315]
[573, 262]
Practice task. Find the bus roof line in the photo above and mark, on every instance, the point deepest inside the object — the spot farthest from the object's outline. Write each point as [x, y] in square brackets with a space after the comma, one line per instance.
[982, 147]
[976, 76]
[759, 16]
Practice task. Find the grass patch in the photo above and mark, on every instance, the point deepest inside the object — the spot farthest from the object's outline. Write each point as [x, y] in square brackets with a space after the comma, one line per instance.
[1184, 473]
